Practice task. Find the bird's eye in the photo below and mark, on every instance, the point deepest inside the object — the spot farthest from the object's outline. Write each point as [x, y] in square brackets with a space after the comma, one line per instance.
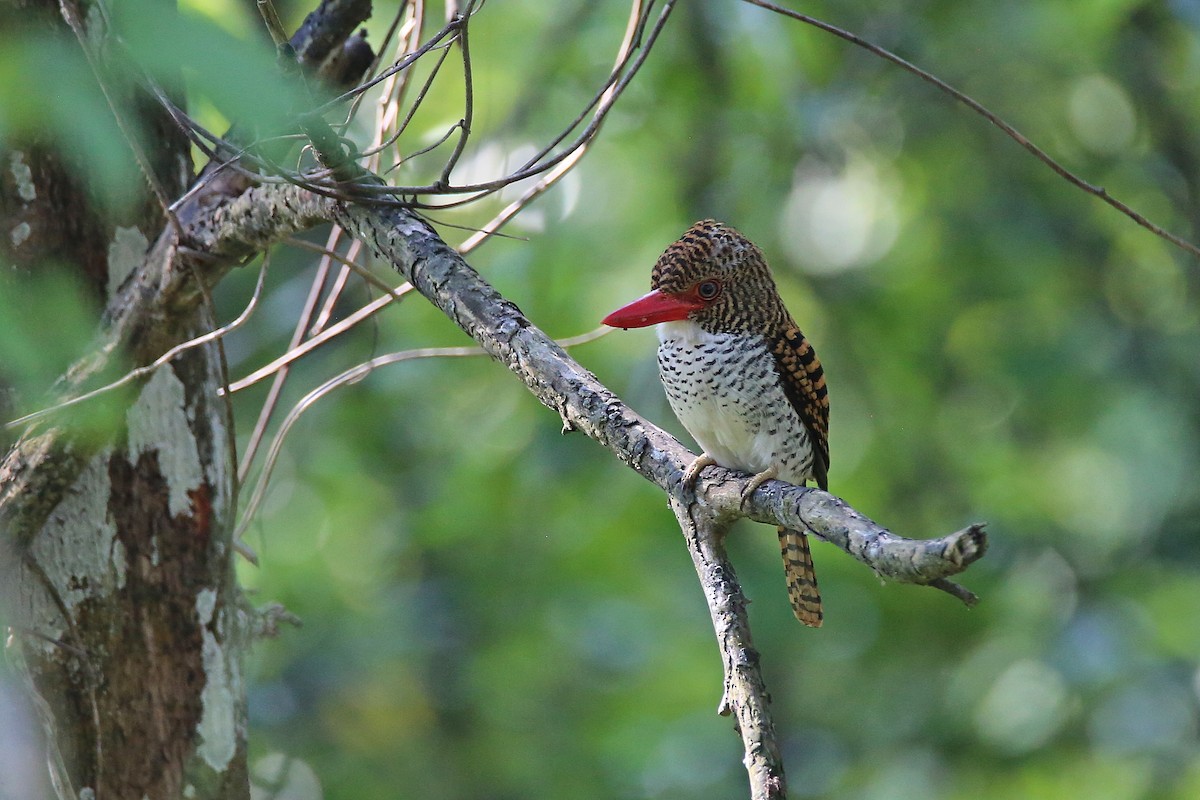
[708, 290]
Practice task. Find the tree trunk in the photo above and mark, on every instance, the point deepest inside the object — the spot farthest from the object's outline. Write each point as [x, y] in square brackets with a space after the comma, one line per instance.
[121, 588]
[127, 607]
[117, 545]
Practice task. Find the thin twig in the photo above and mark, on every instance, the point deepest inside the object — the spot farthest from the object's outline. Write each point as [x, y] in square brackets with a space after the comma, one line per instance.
[980, 109]
[166, 357]
[552, 177]
[296, 351]
[426, 149]
[396, 86]
[279, 367]
[352, 375]
[270, 17]
[543, 161]
[335, 291]
[404, 44]
[464, 124]
[402, 64]
[396, 89]
[273, 393]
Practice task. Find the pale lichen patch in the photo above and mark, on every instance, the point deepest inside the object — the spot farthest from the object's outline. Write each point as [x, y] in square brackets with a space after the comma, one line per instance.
[218, 720]
[206, 604]
[126, 251]
[118, 561]
[76, 547]
[23, 176]
[20, 232]
[158, 423]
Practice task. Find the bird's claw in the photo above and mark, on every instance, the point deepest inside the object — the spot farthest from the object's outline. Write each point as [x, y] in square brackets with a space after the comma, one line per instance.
[757, 481]
[693, 471]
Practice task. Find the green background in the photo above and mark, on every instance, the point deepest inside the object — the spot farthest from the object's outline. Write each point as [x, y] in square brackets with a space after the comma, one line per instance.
[494, 610]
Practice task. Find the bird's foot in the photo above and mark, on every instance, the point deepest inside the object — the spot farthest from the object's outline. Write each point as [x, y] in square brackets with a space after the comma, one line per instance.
[757, 481]
[693, 471]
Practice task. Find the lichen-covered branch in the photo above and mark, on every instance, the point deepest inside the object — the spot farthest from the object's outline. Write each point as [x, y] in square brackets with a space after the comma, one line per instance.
[922, 561]
[584, 404]
[745, 693]
[266, 214]
[45, 461]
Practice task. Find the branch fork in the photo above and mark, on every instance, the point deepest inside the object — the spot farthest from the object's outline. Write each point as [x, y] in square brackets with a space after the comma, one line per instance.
[707, 510]
[271, 212]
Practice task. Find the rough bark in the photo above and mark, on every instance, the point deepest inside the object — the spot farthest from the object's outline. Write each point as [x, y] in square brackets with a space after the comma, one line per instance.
[119, 577]
[584, 404]
[118, 550]
[115, 550]
[124, 588]
[744, 694]
[267, 213]
[127, 605]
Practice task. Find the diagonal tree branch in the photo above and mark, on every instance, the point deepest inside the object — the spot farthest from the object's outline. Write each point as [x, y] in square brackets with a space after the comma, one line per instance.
[45, 461]
[268, 213]
[559, 382]
[47, 458]
[584, 404]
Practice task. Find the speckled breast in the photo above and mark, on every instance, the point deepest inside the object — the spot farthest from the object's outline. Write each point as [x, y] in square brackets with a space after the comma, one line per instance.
[725, 390]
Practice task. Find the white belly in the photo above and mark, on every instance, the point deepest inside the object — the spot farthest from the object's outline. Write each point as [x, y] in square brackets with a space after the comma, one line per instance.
[725, 390]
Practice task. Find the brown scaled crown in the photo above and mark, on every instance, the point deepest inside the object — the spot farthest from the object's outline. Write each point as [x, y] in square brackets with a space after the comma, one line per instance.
[712, 250]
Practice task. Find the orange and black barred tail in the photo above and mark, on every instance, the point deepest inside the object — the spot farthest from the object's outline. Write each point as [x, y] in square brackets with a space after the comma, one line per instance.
[801, 577]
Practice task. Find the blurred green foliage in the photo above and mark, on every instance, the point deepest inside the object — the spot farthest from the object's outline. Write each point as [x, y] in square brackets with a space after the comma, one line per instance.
[493, 610]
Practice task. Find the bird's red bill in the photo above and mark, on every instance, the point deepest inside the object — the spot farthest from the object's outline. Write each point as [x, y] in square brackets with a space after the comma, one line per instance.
[652, 309]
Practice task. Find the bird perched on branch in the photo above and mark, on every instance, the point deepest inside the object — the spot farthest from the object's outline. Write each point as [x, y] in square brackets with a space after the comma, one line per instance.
[739, 375]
